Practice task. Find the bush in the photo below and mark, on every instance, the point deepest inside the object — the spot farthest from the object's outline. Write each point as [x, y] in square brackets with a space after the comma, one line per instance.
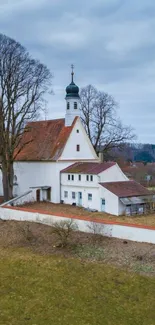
[27, 233]
[97, 230]
[63, 230]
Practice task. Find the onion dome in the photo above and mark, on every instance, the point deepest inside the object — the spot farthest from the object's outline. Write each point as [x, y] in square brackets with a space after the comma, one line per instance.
[72, 90]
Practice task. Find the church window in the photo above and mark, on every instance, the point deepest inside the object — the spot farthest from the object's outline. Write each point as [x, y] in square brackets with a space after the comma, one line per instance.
[79, 177]
[87, 178]
[67, 105]
[75, 105]
[77, 131]
[69, 177]
[77, 147]
[91, 178]
[72, 177]
[65, 194]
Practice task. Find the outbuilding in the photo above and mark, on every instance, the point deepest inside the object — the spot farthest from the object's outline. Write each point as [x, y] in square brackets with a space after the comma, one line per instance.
[126, 198]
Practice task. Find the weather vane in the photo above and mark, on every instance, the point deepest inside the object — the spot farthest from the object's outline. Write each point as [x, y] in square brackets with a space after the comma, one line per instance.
[72, 73]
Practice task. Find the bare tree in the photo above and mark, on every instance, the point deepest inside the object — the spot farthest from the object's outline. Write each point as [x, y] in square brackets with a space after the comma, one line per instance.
[23, 83]
[99, 116]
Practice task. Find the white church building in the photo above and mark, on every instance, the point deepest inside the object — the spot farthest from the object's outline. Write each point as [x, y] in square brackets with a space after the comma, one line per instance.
[59, 164]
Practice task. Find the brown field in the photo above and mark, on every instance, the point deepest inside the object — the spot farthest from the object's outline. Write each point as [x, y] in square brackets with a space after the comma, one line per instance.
[148, 220]
[137, 257]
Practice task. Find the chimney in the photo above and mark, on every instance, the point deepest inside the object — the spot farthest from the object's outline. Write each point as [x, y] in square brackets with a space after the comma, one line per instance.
[101, 156]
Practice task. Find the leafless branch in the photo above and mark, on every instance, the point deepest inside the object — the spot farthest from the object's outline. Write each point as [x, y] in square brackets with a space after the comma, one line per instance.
[23, 84]
[99, 116]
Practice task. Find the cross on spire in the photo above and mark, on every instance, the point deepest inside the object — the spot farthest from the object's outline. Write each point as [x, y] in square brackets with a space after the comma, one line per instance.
[72, 73]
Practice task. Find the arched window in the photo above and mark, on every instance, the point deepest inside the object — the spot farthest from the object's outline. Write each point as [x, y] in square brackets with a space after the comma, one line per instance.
[67, 105]
[75, 105]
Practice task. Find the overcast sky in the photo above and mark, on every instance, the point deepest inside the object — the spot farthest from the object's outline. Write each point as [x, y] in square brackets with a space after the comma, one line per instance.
[110, 42]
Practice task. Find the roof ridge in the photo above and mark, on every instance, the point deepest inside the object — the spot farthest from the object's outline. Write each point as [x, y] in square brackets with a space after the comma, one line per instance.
[44, 121]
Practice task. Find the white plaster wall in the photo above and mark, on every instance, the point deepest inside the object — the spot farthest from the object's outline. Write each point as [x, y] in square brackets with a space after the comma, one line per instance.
[111, 201]
[86, 149]
[98, 193]
[31, 174]
[112, 174]
[117, 231]
[94, 204]
[71, 113]
[76, 182]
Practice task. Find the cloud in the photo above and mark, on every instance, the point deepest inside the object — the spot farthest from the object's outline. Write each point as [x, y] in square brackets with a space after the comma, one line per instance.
[111, 43]
[10, 7]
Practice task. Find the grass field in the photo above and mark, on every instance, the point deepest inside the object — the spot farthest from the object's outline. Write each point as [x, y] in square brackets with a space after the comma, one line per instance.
[53, 290]
[74, 210]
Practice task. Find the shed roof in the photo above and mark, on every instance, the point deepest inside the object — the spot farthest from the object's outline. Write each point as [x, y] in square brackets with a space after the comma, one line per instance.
[126, 188]
[43, 140]
[88, 167]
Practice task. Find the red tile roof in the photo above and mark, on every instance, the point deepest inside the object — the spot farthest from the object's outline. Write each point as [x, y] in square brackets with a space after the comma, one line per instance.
[44, 140]
[88, 167]
[126, 189]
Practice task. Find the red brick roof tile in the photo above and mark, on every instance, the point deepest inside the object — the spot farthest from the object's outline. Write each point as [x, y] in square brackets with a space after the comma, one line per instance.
[126, 188]
[44, 140]
[88, 167]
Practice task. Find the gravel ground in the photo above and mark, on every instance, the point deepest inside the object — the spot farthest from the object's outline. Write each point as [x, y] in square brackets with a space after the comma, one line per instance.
[139, 257]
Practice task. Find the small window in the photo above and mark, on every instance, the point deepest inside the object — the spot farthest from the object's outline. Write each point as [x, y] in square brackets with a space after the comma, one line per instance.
[103, 201]
[79, 177]
[73, 195]
[65, 194]
[69, 177]
[75, 105]
[91, 178]
[87, 178]
[89, 197]
[77, 147]
[72, 177]
[77, 131]
[67, 105]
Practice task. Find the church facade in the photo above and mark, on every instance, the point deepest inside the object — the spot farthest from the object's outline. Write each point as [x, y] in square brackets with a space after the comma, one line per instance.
[58, 163]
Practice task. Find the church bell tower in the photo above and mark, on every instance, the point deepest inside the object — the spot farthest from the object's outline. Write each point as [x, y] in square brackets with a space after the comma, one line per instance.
[72, 101]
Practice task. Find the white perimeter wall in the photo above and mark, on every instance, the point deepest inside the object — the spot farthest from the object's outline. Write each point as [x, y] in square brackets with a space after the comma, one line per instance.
[117, 231]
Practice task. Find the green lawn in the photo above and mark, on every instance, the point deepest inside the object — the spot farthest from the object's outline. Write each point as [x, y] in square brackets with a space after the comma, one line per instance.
[48, 290]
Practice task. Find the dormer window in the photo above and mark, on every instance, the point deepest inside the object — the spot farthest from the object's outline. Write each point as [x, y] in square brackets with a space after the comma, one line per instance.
[67, 105]
[75, 105]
